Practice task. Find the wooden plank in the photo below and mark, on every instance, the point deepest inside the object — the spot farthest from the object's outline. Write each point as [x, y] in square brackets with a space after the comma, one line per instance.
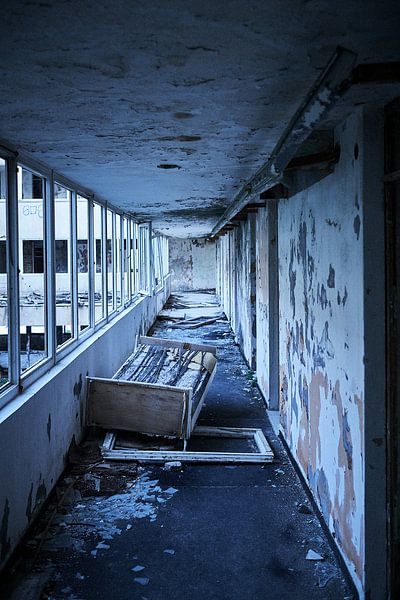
[109, 441]
[199, 406]
[154, 341]
[141, 407]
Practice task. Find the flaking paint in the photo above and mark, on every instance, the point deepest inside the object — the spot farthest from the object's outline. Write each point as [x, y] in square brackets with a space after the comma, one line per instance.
[321, 341]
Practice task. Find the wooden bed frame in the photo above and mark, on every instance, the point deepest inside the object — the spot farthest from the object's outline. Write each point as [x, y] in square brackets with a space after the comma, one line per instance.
[148, 408]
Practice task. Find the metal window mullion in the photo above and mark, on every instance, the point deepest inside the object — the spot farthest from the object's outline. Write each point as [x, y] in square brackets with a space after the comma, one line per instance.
[121, 258]
[130, 228]
[50, 307]
[150, 261]
[91, 286]
[114, 260]
[13, 271]
[74, 264]
[104, 277]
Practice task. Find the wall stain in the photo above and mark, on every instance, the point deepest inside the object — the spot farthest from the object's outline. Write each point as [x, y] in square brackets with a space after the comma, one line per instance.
[323, 494]
[5, 541]
[78, 387]
[28, 510]
[331, 277]
[357, 226]
[49, 427]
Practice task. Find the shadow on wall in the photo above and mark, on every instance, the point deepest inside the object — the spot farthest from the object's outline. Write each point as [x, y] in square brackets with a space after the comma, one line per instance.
[192, 264]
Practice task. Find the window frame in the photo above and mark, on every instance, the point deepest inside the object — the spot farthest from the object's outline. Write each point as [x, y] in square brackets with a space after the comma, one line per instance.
[139, 268]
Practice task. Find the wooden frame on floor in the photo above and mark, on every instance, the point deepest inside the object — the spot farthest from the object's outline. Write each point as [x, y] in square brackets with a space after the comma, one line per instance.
[264, 453]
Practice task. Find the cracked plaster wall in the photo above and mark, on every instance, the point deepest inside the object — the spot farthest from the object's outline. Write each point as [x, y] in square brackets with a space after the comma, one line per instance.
[37, 428]
[237, 284]
[322, 382]
[324, 291]
[193, 264]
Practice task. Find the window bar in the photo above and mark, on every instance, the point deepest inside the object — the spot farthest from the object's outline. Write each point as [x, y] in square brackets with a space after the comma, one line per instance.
[121, 259]
[49, 253]
[13, 278]
[114, 263]
[91, 244]
[150, 267]
[73, 257]
[104, 272]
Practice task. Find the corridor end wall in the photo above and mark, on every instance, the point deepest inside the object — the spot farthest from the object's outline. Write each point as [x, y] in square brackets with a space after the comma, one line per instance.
[192, 264]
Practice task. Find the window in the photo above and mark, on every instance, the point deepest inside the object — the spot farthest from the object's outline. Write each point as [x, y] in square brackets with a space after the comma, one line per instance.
[32, 276]
[98, 271]
[83, 256]
[82, 251]
[33, 256]
[98, 256]
[110, 249]
[90, 250]
[118, 247]
[63, 278]
[135, 258]
[157, 258]
[144, 258]
[4, 324]
[126, 258]
[132, 261]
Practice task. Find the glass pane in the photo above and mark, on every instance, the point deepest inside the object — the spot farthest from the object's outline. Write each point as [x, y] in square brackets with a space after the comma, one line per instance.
[62, 224]
[156, 261]
[110, 261]
[132, 258]
[83, 262]
[136, 257]
[118, 258]
[126, 261]
[4, 340]
[143, 257]
[32, 266]
[98, 263]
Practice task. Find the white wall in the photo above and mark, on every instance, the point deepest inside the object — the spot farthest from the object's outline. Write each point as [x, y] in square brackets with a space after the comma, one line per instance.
[192, 264]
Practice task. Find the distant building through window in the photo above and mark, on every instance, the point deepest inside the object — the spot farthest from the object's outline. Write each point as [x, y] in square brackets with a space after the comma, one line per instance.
[3, 257]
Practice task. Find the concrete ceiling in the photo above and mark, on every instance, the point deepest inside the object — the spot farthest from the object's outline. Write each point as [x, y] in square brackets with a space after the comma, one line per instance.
[106, 92]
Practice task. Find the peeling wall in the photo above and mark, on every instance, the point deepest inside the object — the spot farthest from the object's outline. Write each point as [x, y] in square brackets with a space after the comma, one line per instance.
[237, 284]
[322, 341]
[330, 268]
[267, 304]
[37, 427]
[193, 264]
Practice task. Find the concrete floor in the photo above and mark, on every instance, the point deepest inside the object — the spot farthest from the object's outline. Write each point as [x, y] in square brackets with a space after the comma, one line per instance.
[215, 532]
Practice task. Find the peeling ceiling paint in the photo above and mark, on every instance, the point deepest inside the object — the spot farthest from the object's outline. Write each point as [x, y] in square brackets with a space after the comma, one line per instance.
[105, 93]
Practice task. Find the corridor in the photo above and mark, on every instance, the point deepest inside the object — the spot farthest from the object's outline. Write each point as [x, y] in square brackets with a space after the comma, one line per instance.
[225, 532]
[243, 157]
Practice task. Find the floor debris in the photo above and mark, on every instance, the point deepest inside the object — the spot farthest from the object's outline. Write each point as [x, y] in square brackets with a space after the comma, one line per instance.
[312, 555]
[233, 534]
